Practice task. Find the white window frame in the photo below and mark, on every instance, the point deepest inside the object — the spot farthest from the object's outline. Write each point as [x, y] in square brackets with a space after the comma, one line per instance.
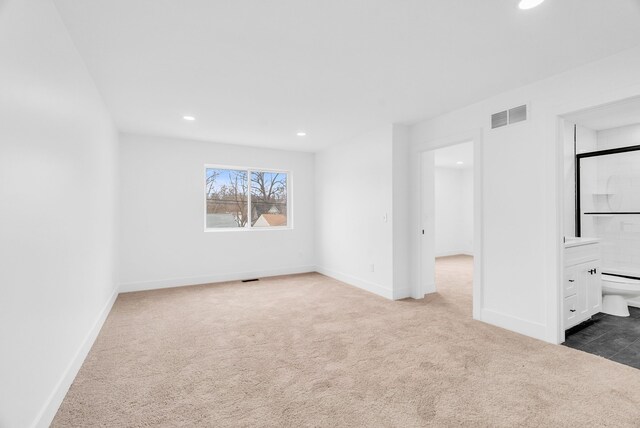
[248, 226]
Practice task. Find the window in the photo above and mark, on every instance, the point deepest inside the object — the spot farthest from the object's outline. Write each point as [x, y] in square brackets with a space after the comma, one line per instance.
[246, 198]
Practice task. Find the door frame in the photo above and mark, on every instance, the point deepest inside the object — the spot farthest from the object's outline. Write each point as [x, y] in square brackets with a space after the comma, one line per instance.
[426, 262]
[563, 113]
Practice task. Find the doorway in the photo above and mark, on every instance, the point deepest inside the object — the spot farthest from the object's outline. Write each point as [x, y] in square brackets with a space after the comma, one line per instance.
[453, 197]
[599, 308]
[451, 234]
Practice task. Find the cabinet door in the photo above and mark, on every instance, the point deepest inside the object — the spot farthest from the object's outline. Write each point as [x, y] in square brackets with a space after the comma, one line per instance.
[594, 290]
[582, 279]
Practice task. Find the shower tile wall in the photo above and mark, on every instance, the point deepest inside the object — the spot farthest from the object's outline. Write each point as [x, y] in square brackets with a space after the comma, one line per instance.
[613, 185]
[618, 137]
[586, 142]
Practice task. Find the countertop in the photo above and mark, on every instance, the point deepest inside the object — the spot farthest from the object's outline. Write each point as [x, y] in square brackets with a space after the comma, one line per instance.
[576, 242]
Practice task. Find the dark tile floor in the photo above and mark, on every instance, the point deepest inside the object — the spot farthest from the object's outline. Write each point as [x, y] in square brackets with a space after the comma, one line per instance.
[615, 338]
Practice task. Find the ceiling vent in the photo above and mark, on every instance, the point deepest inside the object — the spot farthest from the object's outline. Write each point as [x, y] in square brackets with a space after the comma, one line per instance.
[508, 117]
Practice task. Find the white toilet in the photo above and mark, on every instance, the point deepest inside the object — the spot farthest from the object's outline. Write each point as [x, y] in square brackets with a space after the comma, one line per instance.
[615, 292]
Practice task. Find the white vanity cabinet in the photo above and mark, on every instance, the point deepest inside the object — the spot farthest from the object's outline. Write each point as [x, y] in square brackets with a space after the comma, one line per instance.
[582, 288]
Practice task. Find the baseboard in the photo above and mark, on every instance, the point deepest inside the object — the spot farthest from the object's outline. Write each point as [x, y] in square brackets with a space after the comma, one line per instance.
[357, 282]
[429, 288]
[519, 325]
[455, 253]
[402, 293]
[210, 279]
[49, 410]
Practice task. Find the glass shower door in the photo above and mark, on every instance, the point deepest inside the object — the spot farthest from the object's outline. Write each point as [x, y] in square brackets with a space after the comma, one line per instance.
[609, 185]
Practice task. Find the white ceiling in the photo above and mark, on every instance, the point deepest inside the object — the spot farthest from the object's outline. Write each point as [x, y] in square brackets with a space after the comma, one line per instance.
[609, 116]
[448, 157]
[254, 72]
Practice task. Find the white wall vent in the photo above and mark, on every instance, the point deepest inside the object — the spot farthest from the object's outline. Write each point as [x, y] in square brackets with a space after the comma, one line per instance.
[508, 117]
[499, 119]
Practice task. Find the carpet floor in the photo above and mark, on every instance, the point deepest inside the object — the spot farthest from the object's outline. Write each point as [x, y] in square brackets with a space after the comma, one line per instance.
[307, 350]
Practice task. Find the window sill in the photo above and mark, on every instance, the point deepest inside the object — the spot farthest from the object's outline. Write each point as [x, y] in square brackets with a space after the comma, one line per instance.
[246, 229]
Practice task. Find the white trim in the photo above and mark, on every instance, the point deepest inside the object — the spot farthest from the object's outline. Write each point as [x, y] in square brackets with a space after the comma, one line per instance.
[363, 284]
[455, 253]
[519, 325]
[476, 136]
[561, 112]
[478, 225]
[248, 226]
[243, 168]
[245, 229]
[210, 279]
[403, 293]
[558, 298]
[53, 402]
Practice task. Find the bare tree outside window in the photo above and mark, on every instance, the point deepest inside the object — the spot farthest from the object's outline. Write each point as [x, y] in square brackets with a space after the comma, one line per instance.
[268, 199]
[227, 191]
[228, 203]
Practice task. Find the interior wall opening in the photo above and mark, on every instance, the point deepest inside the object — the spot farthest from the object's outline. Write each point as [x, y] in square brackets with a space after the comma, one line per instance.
[448, 179]
[600, 292]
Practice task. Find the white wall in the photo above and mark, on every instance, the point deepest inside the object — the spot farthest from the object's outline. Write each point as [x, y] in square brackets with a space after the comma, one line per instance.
[354, 208]
[400, 215]
[467, 209]
[453, 211]
[619, 137]
[57, 216]
[586, 139]
[162, 237]
[522, 195]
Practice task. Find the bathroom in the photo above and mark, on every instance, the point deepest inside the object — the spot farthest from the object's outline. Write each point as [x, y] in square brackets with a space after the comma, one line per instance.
[601, 278]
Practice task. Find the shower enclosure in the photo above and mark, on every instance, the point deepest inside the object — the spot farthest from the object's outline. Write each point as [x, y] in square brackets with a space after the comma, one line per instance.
[608, 206]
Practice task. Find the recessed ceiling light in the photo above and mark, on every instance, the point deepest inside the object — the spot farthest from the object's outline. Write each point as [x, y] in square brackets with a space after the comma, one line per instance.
[189, 118]
[301, 133]
[529, 4]
[459, 163]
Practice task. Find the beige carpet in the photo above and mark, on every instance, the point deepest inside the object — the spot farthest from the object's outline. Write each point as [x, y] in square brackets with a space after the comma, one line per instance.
[307, 350]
